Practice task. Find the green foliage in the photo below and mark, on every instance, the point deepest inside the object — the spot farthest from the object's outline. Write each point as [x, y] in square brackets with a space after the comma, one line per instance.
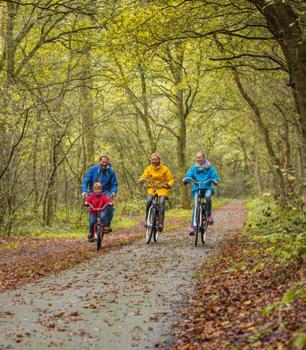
[288, 298]
[111, 80]
[10, 246]
[71, 224]
[281, 231]
[130, 207]
[299, 340]
[281, 234]
[259, 335]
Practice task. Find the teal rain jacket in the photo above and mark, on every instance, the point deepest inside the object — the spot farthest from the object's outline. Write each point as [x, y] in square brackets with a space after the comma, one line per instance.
[201, 174]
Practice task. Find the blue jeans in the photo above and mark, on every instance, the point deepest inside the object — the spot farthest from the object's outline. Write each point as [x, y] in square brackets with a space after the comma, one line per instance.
[208, 194]
[105, 216]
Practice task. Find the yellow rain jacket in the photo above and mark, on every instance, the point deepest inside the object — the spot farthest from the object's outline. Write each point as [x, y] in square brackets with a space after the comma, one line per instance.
[158, 175]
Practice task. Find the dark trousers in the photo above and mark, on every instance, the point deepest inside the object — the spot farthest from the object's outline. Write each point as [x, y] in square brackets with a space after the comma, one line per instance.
[106, 217]
[208, 194]
[161, 207]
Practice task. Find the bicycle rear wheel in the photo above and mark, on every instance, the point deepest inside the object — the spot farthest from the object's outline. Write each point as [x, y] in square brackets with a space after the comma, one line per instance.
[151, 224]
[198, 214]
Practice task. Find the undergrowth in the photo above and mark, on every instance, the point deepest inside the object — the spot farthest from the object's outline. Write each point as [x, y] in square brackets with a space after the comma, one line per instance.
[281, 235]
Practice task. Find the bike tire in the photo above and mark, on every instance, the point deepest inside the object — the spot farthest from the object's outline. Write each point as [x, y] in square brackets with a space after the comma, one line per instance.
[198, 214]
[98, 236]
[155, 234]
[150, 224]
[204, 228]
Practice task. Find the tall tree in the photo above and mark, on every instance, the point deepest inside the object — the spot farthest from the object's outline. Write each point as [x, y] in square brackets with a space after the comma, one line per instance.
[287, 22]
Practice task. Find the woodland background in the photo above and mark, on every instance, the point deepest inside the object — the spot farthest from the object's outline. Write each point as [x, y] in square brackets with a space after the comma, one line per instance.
[128, 78]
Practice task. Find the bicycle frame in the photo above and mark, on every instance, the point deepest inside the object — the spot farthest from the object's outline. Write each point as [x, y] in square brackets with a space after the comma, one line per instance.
[98, 227]
[152, 216]
[200, 217]
[200, 213]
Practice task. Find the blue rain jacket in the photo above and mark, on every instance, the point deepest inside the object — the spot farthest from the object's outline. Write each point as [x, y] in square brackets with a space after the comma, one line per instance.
[107, 179]
[201, 174]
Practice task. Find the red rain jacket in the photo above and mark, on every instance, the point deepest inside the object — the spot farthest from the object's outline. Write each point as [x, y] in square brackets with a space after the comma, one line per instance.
[97, 201]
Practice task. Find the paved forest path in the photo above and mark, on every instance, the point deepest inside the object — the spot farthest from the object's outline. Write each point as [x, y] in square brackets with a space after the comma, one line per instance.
[127, 298]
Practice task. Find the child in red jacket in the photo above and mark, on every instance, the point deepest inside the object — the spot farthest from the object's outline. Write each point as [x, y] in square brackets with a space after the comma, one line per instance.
[98, 200]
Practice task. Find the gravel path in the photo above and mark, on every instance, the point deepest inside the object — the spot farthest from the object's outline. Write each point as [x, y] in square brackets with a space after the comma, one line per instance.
[125, 299]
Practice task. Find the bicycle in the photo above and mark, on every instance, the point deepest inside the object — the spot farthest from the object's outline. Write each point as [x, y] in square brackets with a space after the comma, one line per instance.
[200, 218]
[99, 230]
[152, 217]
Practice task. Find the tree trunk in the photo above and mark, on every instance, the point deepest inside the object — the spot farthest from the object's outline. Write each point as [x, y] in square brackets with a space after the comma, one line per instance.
[86, 109]
[276, 165]
[176, 67]
[257, 170]
[145, 114]
[10, 46]
[34, 172]
[2, 24]
[181, 150]
[286, 26]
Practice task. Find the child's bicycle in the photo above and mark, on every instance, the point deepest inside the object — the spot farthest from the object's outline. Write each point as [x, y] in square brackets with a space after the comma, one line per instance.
[99, 228]
[200, 221]
[152, 217]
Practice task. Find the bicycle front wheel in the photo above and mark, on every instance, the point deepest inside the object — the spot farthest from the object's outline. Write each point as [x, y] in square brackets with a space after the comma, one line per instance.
[204, 227]
[198, 214]
[151, 224]
[155, 234]
[99, 236]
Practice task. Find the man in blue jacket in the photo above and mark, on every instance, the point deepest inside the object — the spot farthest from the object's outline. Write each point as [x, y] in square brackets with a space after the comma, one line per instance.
[202, 171]
[102, 173]
[106, 176]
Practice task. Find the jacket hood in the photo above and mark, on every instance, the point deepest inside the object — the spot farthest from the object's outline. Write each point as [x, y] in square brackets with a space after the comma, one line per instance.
[158, 166]
[203, 167]
[109, 167]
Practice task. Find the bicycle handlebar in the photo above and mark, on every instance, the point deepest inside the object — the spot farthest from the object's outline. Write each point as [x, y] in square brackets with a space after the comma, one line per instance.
[154, 185]
[96, 209]
[197, 182]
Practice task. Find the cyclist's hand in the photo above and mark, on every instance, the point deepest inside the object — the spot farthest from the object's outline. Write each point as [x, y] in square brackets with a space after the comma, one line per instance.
[84, 194]
[185, 182]
[86, 204]
[169, 185]
[141, 181]
[113, 195]
[215, 183]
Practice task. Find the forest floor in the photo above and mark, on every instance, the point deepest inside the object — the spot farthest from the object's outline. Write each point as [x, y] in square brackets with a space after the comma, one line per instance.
[223, 309]
[245, 299]
[28, 259]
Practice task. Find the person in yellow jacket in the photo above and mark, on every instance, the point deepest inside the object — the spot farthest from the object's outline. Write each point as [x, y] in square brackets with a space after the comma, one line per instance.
[157, 173]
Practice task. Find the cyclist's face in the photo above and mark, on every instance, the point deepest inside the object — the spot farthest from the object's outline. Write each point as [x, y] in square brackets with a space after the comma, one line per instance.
[104, 162]
[200, 159]
[97, 191]
[155, 161]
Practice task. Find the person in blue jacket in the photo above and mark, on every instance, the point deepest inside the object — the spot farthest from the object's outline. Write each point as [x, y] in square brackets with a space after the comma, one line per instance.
[202, 171]
[104, 174]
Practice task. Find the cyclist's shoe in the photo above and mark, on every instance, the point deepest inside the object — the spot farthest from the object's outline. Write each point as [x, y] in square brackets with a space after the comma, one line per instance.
[107, 229]
[160, 227]
[191, 232]
[210, 220]
[90, 237]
